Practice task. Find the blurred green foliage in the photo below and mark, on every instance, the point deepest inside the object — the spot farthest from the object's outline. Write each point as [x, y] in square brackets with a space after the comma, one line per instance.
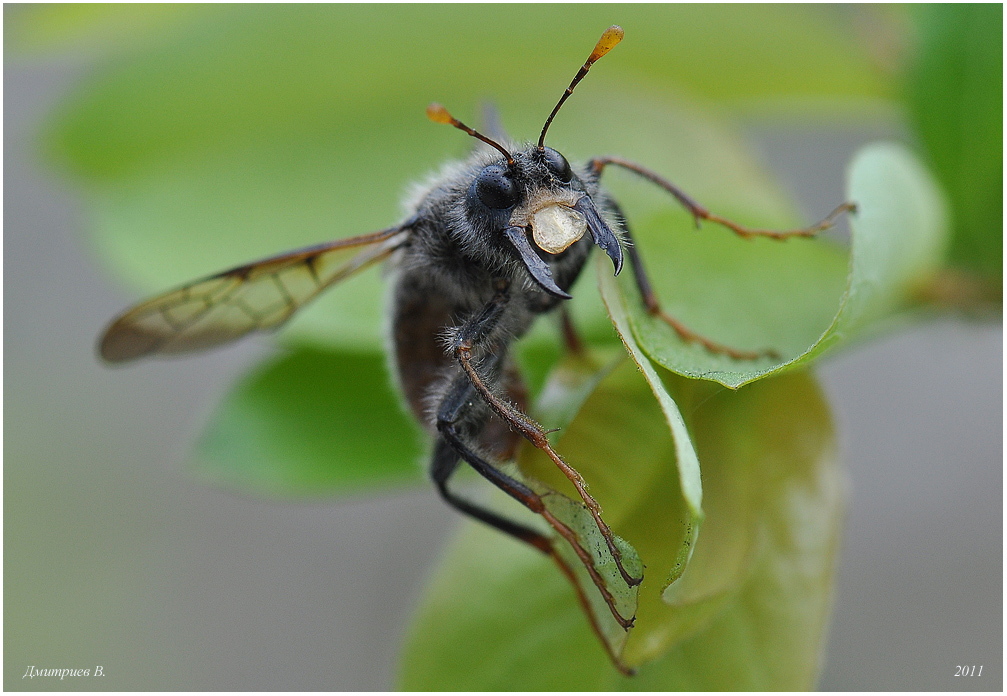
[303, 425]
[209, 135]
[955, 98]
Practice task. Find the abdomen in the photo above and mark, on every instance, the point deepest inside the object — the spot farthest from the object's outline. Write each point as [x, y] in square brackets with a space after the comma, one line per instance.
[420, 315]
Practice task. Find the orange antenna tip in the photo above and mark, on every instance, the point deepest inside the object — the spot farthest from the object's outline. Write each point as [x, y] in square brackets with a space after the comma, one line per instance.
[612, 36]
[438, 114]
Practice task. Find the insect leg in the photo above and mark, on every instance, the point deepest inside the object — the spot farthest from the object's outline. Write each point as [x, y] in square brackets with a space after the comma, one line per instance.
[444, 464]
[700, 213]
[452, 445]
[571, 338]
[463, 342]
[653, 307]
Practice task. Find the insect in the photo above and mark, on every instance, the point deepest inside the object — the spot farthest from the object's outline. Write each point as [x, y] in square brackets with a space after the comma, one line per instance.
[496, 242]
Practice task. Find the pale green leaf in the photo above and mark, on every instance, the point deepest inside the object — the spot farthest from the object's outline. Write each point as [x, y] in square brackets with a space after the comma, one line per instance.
[789, 297]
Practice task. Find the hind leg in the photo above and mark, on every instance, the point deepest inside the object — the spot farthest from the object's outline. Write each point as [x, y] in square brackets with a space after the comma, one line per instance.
[456, 425]
[464, 343]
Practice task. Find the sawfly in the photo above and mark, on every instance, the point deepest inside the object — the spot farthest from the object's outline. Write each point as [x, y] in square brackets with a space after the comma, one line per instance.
[495, 242]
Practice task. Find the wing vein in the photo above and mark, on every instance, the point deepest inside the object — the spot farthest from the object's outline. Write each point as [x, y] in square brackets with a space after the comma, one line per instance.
[261, 295]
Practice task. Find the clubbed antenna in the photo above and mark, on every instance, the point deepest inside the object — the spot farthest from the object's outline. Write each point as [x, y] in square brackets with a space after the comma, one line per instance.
[438, 114]
[606, 43]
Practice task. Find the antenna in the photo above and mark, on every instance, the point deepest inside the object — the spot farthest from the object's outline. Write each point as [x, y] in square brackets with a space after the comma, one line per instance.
[438, 114]
[606, 43]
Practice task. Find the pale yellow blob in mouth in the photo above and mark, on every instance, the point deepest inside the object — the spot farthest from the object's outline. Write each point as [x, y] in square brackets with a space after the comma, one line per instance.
[555, 227]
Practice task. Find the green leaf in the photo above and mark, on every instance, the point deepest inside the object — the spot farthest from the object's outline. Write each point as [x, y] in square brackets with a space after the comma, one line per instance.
[728, 53]
[311, 423]
[769, 458]
[622, 599]
[646, 502]
[246, 75]
[686, 461]
[572, 380]
[751, 610]
[900, 233]
[789, 297]
[571, 383]
[955, 95]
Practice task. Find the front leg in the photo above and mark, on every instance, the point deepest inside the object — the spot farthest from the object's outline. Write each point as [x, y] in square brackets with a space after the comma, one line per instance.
[698, 212]
[472, 334]
[650, 300]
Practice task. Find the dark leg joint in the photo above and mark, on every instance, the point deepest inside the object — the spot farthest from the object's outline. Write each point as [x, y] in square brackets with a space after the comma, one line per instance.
[445, 462]
[514, 489]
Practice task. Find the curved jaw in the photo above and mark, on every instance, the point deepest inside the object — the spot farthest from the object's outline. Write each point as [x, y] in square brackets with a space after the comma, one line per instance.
[554, 228]
[538, 268]
[601, 233]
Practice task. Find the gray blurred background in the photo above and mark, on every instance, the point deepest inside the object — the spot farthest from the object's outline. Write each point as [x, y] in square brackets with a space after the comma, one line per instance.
[115, 556]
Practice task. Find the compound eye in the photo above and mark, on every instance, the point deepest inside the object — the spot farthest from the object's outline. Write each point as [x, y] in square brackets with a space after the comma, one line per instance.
[558, 165]
[495, 189]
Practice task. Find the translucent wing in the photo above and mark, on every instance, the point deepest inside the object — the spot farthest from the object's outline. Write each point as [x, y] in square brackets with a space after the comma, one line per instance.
[226, 306]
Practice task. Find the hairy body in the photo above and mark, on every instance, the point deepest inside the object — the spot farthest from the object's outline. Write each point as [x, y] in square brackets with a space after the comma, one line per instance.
[452, 266]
